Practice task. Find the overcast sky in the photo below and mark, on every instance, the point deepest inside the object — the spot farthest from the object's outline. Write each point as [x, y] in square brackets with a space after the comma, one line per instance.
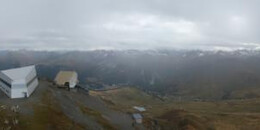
[129, 24]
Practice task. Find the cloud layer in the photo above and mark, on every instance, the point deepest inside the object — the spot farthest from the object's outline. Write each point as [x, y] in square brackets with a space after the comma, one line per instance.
[124, 24]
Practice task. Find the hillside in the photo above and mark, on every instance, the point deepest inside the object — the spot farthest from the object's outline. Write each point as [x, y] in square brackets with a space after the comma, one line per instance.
[58, 109]
[186, 115]
[187, 74]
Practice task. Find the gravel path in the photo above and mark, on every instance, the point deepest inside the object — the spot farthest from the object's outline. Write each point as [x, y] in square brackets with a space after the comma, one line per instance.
[122, 120]
[69, 107]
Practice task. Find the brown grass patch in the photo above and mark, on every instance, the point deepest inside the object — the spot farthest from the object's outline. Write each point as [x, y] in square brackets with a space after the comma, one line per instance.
[48, 115]
[180, 119]
[97, 116]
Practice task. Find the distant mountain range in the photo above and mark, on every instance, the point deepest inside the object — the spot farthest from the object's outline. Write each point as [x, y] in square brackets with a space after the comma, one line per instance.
[190, 74]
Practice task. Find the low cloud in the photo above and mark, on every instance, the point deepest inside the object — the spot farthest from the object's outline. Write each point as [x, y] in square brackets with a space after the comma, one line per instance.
[136, 24]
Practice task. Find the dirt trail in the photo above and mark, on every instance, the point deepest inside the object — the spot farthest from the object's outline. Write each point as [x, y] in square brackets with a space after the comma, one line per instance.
[69, 107]
[121, 120]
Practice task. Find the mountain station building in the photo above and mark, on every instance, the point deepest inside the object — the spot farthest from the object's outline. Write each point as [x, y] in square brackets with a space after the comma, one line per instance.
[19, 82]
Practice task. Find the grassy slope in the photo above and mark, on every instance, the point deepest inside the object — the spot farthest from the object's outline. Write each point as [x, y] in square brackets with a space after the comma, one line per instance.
[125, 98]
[48, 115]
[7, 119]
[231, 114]
[97, 116]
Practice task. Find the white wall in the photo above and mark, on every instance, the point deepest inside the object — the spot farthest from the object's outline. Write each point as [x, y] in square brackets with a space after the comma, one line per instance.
[32, 87]
[4, 77]
[31, 75]
[18, 90]
[74, 81]
[34, 84]
[3, 87]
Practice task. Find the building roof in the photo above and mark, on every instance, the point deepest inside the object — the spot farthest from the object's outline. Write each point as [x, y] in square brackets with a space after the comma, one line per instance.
[141, 109]
[64, 76]
[137, 116]
[18, 73]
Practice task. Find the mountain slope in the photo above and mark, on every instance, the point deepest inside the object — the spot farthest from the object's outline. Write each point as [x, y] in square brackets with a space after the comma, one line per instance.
[190, 74]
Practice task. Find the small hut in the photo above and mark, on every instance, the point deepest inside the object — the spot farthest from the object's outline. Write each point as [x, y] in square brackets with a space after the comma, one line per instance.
[67, 79]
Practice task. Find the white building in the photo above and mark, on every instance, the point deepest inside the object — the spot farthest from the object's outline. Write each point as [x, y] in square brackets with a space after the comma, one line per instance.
[18, 82]
[140, 109]
[69, 78]
[138, 118]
